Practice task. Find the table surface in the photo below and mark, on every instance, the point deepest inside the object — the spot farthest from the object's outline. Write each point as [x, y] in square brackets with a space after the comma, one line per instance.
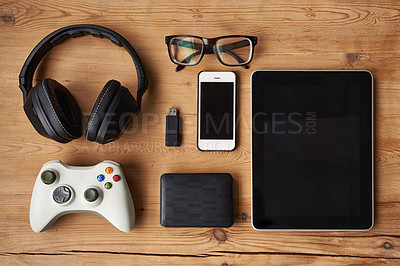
[332, 35]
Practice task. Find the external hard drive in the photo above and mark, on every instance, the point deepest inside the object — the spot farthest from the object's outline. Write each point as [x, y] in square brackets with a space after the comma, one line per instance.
[196, 200]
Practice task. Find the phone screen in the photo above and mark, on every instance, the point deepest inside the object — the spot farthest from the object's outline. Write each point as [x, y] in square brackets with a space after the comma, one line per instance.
[216, 110]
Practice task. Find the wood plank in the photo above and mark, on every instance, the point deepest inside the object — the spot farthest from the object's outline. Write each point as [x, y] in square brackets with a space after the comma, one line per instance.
[223, 259]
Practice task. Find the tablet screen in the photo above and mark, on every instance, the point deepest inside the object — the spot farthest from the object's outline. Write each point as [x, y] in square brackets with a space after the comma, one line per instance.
[312, 149]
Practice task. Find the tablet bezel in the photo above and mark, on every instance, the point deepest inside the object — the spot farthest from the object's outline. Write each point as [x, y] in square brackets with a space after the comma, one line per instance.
[332, 223]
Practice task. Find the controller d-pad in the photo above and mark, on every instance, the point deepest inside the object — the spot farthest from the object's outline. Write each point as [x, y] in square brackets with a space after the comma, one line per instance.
[62, 194]
[91, 194]
[48, 177]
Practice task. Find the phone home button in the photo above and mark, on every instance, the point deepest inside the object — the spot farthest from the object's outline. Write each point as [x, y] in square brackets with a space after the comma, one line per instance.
[214, 146]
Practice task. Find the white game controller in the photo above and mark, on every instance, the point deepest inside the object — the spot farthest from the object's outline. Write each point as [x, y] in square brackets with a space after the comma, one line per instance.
[101, 189]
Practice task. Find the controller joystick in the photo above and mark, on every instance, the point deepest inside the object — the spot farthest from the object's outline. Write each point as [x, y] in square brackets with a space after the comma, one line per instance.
[48, 177]
[91, 194]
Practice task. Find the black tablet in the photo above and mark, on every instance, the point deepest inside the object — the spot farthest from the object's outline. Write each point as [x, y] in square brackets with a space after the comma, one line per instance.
[312, 150]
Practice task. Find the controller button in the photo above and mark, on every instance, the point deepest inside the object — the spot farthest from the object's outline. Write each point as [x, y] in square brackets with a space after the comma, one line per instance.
[100, 178]
[48, 177]
[116, 178]
[108, 185]
[62, 194]
[109, 170]
[91, 194]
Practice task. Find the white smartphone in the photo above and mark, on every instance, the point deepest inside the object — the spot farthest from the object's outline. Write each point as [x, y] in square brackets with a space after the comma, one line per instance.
[216, 113]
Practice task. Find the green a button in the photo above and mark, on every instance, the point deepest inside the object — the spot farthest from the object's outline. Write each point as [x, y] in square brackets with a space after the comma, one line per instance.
[108, 185]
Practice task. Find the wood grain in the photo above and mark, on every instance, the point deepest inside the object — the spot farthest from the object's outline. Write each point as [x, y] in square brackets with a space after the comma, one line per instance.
[292, 35]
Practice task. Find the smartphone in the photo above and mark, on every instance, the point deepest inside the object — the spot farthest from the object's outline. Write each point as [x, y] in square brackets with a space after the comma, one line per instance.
[216, 114]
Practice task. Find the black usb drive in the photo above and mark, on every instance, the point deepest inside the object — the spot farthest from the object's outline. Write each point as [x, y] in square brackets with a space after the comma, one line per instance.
[172, 133]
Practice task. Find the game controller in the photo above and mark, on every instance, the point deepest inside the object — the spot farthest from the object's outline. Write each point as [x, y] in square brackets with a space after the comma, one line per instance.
[62, 189]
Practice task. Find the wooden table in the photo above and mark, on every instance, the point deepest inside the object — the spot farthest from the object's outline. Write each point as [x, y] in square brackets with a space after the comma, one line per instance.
[292, 35]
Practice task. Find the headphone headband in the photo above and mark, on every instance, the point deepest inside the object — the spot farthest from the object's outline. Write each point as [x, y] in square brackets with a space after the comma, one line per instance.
[74, 31]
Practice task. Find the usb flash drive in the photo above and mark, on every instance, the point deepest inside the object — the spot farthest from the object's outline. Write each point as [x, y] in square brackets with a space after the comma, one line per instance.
[172, 133]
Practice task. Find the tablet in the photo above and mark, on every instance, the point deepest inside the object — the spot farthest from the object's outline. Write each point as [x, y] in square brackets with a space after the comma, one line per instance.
[312, 150]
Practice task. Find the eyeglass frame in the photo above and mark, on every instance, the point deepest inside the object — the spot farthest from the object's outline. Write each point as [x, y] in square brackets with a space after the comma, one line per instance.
[208, 47]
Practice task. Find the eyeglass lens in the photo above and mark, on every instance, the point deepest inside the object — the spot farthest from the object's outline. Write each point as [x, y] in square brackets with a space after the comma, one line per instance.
[186, 50]
[234, 50]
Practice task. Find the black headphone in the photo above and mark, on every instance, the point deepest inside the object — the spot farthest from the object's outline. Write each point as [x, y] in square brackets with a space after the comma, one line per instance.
[53, 111]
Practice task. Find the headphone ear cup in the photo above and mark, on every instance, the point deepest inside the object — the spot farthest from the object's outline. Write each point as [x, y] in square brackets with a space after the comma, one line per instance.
[110, 114]
[53, 111]
[31, 108]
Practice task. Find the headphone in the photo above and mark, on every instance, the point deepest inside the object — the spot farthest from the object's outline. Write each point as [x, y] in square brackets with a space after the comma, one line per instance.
[53, 111]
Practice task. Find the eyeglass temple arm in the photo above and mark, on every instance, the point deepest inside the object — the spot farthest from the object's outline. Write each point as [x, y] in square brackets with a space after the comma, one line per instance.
[238, 59]
[235, 45]
[193, 45]
[180, 67]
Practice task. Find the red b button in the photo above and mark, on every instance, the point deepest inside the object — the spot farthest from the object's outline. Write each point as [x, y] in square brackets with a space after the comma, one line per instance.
[116, 178]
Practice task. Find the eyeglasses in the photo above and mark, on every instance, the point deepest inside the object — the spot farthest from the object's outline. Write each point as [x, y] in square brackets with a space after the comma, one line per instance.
[233, 50]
